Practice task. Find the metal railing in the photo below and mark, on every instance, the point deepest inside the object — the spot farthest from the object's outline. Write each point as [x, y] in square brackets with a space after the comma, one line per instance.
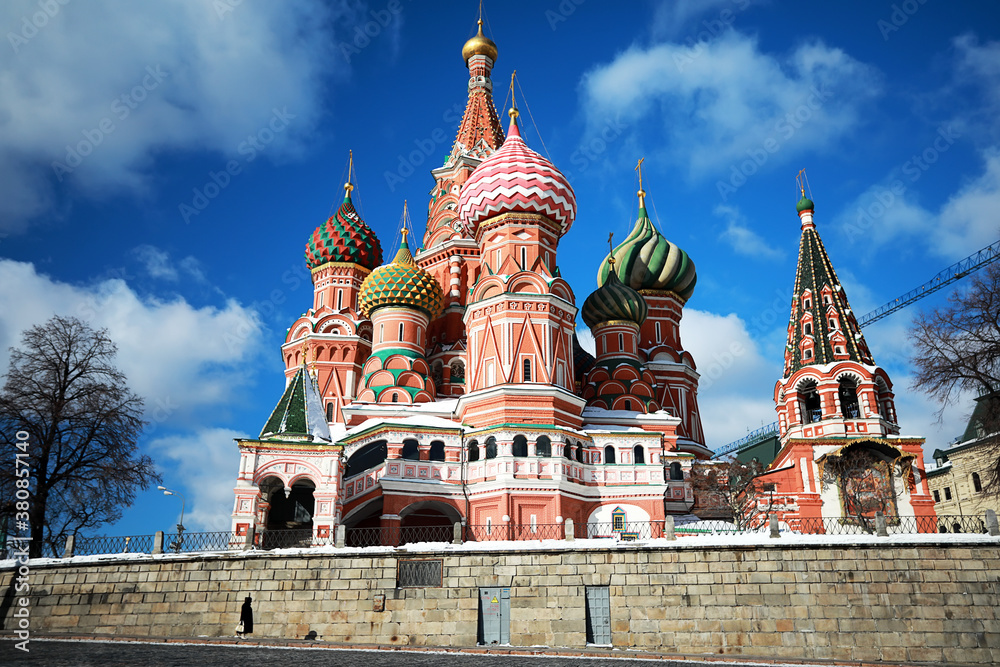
[92, 546]
[395, 536]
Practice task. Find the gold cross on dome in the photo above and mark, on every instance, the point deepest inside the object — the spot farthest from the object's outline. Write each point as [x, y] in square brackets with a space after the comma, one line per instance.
[611, 256]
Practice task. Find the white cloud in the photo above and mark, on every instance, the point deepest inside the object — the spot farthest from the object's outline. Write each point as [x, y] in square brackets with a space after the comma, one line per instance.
[586, 339]
[123, 83]
[963, 224]
[724, 101]
[180, 358]
[204, 463]
[675, 16]
[741, 238]
[156, 262]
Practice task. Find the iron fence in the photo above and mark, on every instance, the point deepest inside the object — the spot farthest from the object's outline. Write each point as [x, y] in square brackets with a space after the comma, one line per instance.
[288, 539]
[394, 536]
[893, 525]
[507, 531]
[91, 546]
[626, 531]
[222, 540]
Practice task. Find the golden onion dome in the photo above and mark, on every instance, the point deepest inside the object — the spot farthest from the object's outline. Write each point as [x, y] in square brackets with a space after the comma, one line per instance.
[480, 45]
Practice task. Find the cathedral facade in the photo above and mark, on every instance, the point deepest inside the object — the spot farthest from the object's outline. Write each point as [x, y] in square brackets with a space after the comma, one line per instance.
[447, 385]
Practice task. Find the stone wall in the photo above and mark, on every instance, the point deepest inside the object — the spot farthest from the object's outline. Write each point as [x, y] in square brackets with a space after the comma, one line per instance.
[921, 599]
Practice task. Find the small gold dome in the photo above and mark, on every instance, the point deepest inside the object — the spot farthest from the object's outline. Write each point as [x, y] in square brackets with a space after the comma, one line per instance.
[480, 45]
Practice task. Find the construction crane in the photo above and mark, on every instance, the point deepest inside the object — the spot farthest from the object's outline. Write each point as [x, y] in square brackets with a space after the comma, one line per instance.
[956, 271]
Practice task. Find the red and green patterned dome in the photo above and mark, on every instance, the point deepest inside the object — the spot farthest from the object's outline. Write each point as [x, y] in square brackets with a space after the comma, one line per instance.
[344, 238]
[401, 283]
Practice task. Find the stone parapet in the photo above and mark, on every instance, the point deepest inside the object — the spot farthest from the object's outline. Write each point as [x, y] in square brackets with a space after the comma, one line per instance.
[901, 599]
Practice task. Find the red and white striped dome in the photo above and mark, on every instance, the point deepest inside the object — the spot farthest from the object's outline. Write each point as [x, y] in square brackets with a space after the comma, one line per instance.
[516, 178]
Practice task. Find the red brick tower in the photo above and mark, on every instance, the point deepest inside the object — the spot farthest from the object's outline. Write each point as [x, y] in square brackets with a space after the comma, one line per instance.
[450, 253]
[833, 396]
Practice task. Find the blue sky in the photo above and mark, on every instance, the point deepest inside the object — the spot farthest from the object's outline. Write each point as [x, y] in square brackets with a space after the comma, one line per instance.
[162, 166]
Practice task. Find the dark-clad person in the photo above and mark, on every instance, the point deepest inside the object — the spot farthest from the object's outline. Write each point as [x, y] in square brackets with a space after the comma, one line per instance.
[246, 618]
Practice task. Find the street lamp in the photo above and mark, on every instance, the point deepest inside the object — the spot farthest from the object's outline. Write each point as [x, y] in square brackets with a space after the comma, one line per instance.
[180, 524]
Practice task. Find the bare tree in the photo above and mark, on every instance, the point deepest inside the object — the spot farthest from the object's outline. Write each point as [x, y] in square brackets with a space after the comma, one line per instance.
[957, 352]
[65, 394]
[736, 488]
[865, 482]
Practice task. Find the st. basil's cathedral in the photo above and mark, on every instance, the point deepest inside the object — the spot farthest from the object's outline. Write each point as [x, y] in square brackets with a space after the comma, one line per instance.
[448, 386]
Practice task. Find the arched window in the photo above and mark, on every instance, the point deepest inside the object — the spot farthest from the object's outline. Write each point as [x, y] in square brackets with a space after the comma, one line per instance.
[520, 446]
[977, 483]
[675, 471]
[568, 451]
[395, 397]
[527, 370]
[437, 451]
[579, 452]
[411, 450]
[491, 447]
[609, 454]
[638, 454]
[628, 404]
[365, 458]
[400, 331]
[810, 403]
[473, 451]
[848, 393]
[543, 446]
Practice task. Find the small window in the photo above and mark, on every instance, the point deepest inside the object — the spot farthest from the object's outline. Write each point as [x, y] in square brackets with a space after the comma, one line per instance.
[395, 397]
[491, 448]
[639, 453]
[807, 329]
[937, 496]
[473, 451]
[320, 303]
[524, 258]
[838, 350]
[657, 331]
[808, 354]
[621, 342]
[628, 404]
[340, 299]
[609, 454]
[568, 451]
[329, 412]
[833, 324]
[977, 483]
[411, 450]
[437, 451]
[400, 331]
[520, 446]
[527, 370]
[947, 493]
[675, 471]
[826, 300]
[807, 304]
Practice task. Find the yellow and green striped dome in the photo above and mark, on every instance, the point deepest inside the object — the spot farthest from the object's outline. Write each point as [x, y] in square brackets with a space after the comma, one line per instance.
[401, 283]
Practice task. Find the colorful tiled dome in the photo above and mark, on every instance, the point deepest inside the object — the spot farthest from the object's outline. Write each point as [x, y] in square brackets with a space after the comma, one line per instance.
[614, 301]
[344, 238]
[516, 178]
[401, 283]
[646, 260]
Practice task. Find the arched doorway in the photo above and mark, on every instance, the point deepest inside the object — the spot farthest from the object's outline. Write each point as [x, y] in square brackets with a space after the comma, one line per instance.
[291, 512]
[427, 521]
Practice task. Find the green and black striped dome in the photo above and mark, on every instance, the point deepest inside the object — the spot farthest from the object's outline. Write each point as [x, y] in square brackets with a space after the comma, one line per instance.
[646, 260]
[614, 301]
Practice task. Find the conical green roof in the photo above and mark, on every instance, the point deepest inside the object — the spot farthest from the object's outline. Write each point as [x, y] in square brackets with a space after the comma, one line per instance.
[299, 414]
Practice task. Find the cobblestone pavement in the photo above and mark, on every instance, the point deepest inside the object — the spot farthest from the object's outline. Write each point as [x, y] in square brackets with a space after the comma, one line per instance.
[115, 654]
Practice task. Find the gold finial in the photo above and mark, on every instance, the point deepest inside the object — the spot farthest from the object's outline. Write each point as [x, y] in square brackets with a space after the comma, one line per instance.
[513, 113]
[611, 256]
[800, 180]
[307, 359]
[642, 193]
[406, 219]
[350, 169]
